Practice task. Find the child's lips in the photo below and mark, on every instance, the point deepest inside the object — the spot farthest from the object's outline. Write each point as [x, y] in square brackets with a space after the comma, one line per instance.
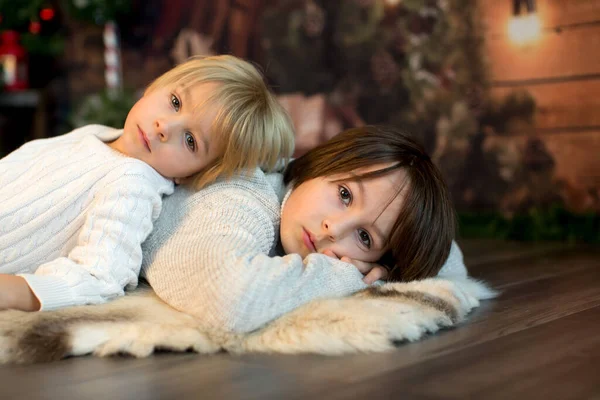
[308, 242]
[144, 139]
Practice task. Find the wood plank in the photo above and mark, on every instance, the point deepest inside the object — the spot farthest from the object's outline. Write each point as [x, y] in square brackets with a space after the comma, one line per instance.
[562, 104]
[577, 157]
[495, 14]
[570, 53]
[530, 364]
[529, 266]
[480, 252]
[159, 377]
[575, 154]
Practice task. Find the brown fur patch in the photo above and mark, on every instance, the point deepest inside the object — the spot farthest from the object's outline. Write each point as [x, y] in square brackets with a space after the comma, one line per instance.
[48, 339]
[419, 297]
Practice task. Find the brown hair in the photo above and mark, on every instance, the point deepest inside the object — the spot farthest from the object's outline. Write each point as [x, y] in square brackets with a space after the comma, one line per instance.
[421, 237]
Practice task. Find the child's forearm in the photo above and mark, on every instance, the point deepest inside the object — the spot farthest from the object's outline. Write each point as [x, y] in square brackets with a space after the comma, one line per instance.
[16, 294]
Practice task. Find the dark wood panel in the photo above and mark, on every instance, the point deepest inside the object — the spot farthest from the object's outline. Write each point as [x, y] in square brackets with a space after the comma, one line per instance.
[571, 53]
[486, 251]
[160, 377]
[552, 13]
[575, 154]
[530, 364]
[560, 105]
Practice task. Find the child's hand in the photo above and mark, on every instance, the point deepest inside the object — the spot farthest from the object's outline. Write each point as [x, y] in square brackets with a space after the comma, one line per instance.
[372, 271]
[16, 294]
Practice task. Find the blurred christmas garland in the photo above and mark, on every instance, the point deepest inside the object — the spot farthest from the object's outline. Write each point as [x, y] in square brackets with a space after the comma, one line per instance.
[35, 20]
[416, 63]
[38, 21]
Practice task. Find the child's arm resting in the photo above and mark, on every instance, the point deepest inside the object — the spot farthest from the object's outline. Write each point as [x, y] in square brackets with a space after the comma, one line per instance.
[15, 294]
[107, 256]
[455, 264]
[215, 267]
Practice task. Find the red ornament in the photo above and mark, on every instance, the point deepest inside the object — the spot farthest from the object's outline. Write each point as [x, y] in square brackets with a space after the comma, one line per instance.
[46, 14]
[35, 27]
[13, 58]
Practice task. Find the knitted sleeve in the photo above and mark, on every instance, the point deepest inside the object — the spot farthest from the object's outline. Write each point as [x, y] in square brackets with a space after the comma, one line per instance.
[107, 256]
[215, 266]
[454, 265]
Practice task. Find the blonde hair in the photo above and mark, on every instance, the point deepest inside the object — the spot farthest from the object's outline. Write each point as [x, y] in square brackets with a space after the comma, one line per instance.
[253, 128]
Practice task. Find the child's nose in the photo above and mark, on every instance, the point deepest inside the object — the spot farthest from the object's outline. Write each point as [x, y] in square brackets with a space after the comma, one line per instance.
[161, 128]
[335, 228]
[164, 127]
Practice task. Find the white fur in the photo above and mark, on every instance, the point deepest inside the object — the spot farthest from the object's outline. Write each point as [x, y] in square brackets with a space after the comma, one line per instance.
[359, 323]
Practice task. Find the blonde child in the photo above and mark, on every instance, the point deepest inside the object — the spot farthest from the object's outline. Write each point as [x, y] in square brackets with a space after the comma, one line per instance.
[76, 208]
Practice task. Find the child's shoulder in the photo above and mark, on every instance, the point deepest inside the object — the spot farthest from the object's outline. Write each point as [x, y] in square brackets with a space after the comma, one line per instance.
[102, 132]
[254, 187]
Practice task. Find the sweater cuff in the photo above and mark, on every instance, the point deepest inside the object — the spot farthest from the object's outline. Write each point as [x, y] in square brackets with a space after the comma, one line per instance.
[51, 291]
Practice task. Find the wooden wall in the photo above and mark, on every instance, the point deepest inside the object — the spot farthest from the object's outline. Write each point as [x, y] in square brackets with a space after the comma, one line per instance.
[562, 71]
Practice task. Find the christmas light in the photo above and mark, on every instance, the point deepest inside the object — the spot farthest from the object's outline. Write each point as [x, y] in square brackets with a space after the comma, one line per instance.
[526, 28]
[392, 3]
[46, 14]
[35, 27]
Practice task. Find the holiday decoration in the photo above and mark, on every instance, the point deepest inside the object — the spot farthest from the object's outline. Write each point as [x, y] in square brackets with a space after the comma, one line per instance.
[413, 63]
[13, 58]
[34, 21]
[112, 58]
[98, 11]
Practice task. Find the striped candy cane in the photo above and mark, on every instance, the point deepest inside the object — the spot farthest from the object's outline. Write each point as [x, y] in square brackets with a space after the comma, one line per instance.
[112, 59]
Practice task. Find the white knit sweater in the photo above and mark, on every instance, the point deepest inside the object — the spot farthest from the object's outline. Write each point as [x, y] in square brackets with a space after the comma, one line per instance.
[213, 254]
[73, 215]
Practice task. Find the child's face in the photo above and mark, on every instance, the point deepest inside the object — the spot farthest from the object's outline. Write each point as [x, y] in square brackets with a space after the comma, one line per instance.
[350, 218]
[166, 130]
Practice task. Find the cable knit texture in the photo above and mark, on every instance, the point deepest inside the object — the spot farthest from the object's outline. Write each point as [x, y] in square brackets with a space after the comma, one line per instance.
[74, 214]
[213, 254]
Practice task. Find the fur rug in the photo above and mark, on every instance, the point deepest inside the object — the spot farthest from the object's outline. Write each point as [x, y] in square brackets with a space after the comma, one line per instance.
[374, 320]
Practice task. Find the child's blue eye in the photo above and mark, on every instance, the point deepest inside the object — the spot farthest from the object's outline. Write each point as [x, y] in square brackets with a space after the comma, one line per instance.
[175, 102]
[190, 141]
[365, 238]
[345, 195]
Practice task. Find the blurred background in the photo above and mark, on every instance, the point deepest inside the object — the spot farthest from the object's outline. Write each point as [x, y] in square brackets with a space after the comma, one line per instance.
[504, 94]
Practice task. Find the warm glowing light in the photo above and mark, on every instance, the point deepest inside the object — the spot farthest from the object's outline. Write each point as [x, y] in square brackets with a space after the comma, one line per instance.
[46, 14]
[524, 29]
[392, 3]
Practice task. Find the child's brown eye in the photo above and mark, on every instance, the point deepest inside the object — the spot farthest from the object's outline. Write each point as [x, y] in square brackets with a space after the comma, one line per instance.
[345, 195]
[175, 102]
[190, 141]
[365, 238]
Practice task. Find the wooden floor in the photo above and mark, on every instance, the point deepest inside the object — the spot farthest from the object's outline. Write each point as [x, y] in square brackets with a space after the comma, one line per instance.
[539, 340]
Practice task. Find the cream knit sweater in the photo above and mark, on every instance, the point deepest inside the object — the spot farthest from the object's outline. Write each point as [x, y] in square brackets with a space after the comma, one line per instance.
[73, 215]
[213, 254]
